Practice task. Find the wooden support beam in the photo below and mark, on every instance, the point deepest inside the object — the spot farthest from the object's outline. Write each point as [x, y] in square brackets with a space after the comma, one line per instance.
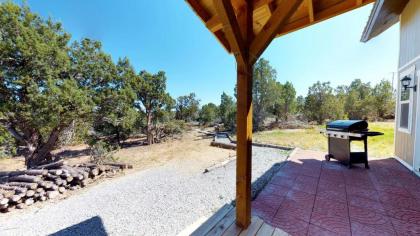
[244, 121]
[244, 145]
[201, 12]
[214, 24]
[321, 15]
[311, 10]
[272, 27]
[231, 28]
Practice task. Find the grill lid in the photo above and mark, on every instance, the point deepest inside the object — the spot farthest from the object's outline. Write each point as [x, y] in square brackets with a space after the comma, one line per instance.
[347, 125]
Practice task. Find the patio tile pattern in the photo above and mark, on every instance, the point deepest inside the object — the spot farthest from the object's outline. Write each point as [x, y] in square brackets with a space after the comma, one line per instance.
[310, 196]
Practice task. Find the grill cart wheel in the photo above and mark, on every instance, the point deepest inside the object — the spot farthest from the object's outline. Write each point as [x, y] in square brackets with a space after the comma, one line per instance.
[327, 157]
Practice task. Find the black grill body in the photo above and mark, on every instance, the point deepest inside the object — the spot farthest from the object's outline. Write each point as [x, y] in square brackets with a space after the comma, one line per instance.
[348, 125]
[340, 135]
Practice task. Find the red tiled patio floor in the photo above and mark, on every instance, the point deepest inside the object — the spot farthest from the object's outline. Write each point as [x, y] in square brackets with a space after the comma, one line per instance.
[310, 196]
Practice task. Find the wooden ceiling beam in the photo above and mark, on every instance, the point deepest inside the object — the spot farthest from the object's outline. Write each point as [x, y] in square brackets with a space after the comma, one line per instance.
[214, 24]
[231, 28]
[322, 15]
[311, 10]
[279, 17]
[261, 3]
[198, 8]
[223, 40]
[244, 12]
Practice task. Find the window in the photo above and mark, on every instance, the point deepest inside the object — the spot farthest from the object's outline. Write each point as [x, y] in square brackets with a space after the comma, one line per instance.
[405, 102]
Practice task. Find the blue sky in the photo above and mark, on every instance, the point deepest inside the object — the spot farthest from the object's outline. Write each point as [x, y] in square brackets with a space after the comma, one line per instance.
[167, 35]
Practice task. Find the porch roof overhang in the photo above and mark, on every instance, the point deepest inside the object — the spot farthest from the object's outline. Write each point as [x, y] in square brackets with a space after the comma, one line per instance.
[307, 13]
[245, 28]
[385, 13]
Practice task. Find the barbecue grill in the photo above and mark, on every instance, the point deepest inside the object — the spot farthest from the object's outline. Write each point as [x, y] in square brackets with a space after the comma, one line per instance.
[341, 133]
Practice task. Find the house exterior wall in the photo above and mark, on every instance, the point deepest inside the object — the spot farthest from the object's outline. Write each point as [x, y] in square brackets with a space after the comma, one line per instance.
[409, 57]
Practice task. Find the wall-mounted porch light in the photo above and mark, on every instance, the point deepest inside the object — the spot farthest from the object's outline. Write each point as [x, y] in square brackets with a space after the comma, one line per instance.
[406, 81]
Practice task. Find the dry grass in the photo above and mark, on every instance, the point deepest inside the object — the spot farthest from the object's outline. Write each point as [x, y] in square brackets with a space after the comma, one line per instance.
[191, 146]
[311, 139]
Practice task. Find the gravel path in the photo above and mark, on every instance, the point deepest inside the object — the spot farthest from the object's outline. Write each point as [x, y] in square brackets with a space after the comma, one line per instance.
[159, 201]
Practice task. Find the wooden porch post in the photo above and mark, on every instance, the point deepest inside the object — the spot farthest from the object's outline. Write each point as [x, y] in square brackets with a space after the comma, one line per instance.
[244, 144]
[247, 48]
[244, 118]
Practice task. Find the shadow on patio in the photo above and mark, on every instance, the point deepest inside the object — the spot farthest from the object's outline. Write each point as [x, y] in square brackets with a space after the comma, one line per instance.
[309, 196]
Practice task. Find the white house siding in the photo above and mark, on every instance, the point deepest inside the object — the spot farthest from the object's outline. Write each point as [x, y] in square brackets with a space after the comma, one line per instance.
[409, 56]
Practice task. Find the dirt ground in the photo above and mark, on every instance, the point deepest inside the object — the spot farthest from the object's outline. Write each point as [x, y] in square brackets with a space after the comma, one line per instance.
[192, 146]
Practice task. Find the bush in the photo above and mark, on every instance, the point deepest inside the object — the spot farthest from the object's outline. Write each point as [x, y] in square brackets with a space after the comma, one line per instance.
[174, 127]
[101, 152]
[7, 144]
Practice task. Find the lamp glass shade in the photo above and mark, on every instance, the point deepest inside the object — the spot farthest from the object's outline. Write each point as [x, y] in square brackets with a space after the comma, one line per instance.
[406, 81]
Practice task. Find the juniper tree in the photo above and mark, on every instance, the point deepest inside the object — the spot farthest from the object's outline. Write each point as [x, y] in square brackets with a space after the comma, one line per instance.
[152, 98]
[115, 116]
[208, 113]
[187, 107]
[39, 96]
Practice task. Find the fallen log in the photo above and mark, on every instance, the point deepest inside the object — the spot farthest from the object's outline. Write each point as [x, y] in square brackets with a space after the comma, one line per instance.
[15, 198]
[58, 181]
[14, 188]
[75, 187]
[24, 185]
[52, 177]
[19, 189]
[55, 171]
[63, 182]
[4, 201]
[94, 172]
[4, 179]
[26, 178]
[74, 173]
[53, 165]
[46, 184]
[30, 193]
[40, 190]
[120, 165]
[4, 207]
[7, 194]
[52, 194]
[29, 201]
[68, 179]
[53, 187]
[89, 165]
[62, 189]
[82, 171]
[102, 169]
[5, 173]
[27, 172]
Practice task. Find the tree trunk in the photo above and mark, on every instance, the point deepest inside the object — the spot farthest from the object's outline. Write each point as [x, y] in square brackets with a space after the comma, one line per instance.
[149, 129]
[119, 137]
[42, 152]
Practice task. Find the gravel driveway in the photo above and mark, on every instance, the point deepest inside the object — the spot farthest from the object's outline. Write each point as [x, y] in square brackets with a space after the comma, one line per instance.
[158, 201]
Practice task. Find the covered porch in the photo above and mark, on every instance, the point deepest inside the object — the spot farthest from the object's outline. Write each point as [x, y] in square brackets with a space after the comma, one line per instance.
[310, 196]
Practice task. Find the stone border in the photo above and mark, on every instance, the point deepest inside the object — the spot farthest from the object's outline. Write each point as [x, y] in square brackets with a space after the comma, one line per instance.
[232, 144]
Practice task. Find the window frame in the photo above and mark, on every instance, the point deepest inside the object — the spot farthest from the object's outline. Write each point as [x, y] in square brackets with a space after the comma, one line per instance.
[409, 71]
